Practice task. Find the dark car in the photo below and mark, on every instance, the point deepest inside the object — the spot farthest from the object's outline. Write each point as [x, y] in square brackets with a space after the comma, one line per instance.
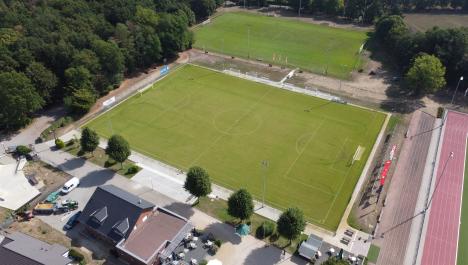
[72, 221]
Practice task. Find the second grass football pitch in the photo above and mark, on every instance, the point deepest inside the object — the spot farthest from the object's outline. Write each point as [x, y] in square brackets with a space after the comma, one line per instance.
[230, 126]
[317, 48]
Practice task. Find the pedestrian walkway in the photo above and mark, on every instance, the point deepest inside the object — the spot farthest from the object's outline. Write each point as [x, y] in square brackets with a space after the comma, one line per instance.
[235, 250]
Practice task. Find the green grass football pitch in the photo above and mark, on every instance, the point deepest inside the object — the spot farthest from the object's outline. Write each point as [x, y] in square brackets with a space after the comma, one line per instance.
[317, 48]
[228, 126]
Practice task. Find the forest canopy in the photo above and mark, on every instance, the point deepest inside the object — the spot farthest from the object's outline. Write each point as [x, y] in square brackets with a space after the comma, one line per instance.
[74, 51]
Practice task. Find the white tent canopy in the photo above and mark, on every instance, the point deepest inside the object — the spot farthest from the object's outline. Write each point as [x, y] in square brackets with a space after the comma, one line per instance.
[214, 262]
[15, 190]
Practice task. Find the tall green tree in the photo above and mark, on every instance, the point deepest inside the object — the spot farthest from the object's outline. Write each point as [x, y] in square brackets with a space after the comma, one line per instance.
[198, 182]
[118, 149]
[18, 99]
[80, 101]
[42, 78]
[427, 74]
[334, 7]
[203, 8]
[89, 140]
[240, 204]
[291, 223]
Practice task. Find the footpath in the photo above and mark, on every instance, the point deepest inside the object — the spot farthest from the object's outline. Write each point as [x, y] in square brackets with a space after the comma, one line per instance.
[236, 250]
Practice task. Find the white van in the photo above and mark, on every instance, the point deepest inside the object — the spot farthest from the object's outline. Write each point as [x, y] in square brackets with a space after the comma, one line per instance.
[70, 185]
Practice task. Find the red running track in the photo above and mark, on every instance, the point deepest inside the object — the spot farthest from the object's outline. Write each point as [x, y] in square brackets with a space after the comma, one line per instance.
[440, 247]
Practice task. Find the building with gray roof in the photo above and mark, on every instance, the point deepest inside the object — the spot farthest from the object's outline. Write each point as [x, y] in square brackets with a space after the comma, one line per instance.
[141, 232]
[21, 249]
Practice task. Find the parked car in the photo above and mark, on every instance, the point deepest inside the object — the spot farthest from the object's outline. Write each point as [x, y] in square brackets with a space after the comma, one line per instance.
[70, 185]
[72, 221]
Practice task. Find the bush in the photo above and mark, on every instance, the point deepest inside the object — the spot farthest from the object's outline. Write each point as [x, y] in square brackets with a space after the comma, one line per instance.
[214, 249]
[59, 143]
[218, 243]
[22, 150]
[74, 254]
[203, 262]
[265, 230]
[60, 123]
[133, 169]
[71, 142]
[440, 112]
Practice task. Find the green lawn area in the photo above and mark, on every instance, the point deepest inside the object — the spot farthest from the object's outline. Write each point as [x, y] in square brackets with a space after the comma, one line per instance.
[100, 158]
[462, 255]
[218, 210]
[317, 48]
[373, 254]
[228, 126]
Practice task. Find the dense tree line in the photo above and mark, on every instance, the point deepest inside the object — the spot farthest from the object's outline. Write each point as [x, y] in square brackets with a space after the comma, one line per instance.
[410, 50]
[367, 11]
[74, 51]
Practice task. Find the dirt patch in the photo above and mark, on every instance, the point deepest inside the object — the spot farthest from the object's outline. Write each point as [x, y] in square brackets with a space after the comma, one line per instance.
[50, 179]
[423, 22]
[223, 62]
[363, 89]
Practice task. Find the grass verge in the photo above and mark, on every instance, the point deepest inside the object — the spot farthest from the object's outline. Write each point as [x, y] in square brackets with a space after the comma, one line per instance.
[100, 158]
[373, 254]
[218, 209]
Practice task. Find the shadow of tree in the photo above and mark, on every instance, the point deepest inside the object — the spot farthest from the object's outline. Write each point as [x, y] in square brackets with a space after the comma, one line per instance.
[96, 178]
[71, 164]
[270, 255]
[224, 232]
[182, 209]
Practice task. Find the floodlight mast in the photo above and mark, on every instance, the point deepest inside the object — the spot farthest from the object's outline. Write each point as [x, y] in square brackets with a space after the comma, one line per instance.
[265, 164]
[456, 89]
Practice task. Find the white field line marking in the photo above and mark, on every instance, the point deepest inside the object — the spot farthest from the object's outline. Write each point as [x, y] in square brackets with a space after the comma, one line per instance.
[158, 79]
[232, 126]
[332, 166]
[461, 203]
[346, 176]
[303, 149]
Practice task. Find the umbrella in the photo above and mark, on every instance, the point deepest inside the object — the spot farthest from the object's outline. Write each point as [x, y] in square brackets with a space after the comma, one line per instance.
[243, 230]
[214, 262]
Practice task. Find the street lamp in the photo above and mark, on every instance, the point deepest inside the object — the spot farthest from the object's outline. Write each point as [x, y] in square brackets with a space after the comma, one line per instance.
[265, 164]
[456, 89]
[438, 182]
[300, 5]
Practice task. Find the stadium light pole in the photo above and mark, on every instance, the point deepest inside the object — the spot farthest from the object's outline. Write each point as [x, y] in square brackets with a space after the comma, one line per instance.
[248, 42]
[456, 89]
[265, 164]
[300, 6]
[438, 182]
[428, 204]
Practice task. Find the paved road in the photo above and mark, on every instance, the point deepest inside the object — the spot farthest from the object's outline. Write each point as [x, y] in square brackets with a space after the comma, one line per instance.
[403, 193]
[29, 134]
[247, 250]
